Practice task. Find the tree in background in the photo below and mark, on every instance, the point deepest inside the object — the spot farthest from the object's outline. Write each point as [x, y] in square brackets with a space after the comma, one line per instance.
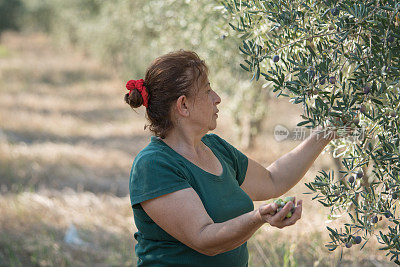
[130, 34]
[9, 12]
[340, 60]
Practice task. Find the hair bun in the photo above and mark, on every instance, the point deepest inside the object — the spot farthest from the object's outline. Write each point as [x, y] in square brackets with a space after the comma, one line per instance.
[134, 99]
[131, 85]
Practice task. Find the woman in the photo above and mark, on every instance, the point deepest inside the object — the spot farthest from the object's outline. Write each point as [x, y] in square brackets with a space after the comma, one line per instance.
[191, 192]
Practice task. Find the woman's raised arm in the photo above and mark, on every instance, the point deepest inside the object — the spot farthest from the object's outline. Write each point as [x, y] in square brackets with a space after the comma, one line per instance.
[263, 183]
[288, 170]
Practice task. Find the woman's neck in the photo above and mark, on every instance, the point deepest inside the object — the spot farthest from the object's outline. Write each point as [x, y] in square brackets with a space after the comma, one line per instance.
[186, 144]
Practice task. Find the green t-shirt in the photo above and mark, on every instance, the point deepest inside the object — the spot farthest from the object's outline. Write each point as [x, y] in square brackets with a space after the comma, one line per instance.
[159, 170]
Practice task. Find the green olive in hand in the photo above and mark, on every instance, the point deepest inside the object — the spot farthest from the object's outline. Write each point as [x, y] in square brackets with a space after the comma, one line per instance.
[281, 203]
[287, 199]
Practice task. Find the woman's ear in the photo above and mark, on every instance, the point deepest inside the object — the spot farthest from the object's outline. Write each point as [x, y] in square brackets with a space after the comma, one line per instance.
[182, 106]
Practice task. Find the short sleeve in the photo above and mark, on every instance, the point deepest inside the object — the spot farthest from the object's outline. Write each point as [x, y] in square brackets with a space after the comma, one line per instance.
[240, 160]
[153, 176]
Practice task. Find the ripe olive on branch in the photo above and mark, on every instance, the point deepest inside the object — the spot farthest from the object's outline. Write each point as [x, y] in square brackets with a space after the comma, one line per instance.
[335, 11]
[357, 240]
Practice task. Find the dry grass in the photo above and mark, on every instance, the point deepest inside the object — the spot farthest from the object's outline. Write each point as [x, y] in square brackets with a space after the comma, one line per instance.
[33, 226]
[67, 142]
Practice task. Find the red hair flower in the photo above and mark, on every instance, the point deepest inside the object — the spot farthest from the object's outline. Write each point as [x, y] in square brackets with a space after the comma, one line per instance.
[138, 84]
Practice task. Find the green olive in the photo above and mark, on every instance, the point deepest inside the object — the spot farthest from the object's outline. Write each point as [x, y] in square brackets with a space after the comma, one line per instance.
[281, 203]
[287, 199]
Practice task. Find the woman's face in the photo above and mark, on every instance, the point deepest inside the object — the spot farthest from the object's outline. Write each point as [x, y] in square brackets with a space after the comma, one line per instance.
[204, 108]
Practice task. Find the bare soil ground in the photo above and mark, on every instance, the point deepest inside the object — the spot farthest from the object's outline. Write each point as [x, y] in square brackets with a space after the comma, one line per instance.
[67, 142]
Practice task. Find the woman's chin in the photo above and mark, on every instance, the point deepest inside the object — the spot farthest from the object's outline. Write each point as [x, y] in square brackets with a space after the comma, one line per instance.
[213, 126]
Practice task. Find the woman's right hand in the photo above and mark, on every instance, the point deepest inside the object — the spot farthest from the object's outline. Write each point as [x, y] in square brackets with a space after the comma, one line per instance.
[278, 219]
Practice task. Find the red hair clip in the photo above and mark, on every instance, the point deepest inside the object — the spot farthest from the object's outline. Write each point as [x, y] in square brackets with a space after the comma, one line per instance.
[138, 84]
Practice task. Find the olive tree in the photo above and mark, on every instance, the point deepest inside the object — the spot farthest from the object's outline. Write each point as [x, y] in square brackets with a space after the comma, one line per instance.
[340, 61]
[9, 12]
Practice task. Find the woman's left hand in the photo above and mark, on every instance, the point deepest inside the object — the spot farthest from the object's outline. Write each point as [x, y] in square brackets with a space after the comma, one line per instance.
[279, 218]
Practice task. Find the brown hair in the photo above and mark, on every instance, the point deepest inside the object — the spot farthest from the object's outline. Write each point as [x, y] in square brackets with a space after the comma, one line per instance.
[168, 77]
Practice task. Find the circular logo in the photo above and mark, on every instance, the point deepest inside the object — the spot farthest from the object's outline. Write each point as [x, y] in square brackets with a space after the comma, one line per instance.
[280, 133]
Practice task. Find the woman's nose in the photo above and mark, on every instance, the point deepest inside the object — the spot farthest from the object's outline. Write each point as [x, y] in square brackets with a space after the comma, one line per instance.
[218, 99]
